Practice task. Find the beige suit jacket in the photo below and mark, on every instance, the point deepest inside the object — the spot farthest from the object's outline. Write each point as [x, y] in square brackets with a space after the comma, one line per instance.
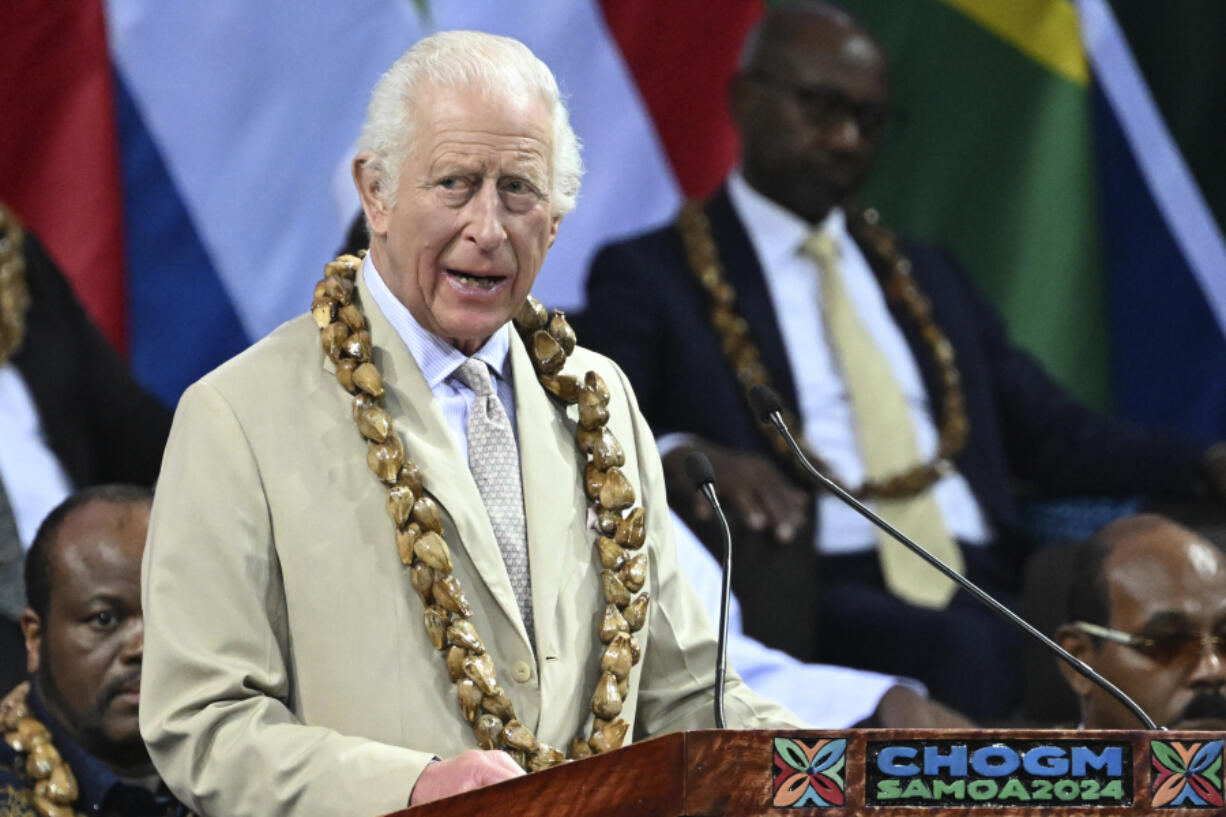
[286, 667]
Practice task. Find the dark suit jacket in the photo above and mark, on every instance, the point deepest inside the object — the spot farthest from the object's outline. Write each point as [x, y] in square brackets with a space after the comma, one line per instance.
[101, 424]
[647, 312]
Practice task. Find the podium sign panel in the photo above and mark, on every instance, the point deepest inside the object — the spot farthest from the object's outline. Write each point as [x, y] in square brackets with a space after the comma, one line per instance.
[840, 773]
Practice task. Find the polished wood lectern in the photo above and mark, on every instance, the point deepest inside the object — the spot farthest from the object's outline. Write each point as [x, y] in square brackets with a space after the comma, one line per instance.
[840, 773]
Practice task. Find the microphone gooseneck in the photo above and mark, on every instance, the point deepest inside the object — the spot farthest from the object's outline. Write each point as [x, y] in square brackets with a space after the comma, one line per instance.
[766, 406]
[702, 477]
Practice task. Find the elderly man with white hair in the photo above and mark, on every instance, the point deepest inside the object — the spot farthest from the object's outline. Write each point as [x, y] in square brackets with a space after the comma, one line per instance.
[405, 546]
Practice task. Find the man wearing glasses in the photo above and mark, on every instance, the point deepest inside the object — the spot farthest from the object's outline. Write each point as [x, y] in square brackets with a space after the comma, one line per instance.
[900, 377]
[1148, 611]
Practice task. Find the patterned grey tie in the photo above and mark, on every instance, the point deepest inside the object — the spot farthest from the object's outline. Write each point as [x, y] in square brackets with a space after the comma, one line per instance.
[493, 458]
[12, 562]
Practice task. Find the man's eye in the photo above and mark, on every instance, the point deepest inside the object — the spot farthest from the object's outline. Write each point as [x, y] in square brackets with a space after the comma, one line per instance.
[103, 619]
[518, 187]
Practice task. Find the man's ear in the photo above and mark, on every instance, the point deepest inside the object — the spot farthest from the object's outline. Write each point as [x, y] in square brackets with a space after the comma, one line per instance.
[32, 629]
[1081, 645]
[367, 182]
[553, 230]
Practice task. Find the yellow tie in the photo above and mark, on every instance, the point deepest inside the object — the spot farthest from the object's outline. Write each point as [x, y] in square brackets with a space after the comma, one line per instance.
[885, 437]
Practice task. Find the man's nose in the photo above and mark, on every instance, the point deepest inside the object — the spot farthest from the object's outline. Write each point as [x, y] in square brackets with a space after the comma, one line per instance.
[1210, 666]
[486, 229]
[843, 135]
[134, 642]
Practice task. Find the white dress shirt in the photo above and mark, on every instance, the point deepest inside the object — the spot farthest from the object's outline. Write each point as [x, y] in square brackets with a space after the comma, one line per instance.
[439, 360]
[825, 409]
[34, 479]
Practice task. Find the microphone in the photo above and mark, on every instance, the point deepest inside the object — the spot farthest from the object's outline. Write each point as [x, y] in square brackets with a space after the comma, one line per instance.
[702, 477]
[765, 404]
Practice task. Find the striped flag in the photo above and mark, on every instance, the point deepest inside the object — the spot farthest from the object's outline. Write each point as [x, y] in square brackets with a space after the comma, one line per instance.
[194, 213]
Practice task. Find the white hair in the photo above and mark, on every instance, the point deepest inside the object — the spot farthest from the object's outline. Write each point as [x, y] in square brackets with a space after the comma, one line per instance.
[457, 59]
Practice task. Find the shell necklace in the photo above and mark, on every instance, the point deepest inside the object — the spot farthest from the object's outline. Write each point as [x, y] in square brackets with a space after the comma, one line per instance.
[55, 786]
[894, 270]
[14, 295]
[621, 528]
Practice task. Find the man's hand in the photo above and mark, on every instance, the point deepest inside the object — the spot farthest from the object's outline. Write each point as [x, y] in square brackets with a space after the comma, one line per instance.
[464, 772]
[750, 486]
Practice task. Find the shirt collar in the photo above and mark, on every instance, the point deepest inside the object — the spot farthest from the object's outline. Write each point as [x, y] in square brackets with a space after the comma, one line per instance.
[95, 780]
[436, 358]
[776, 232]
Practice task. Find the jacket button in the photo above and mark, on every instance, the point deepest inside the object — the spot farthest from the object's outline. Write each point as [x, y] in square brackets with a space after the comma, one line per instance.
[521, 672]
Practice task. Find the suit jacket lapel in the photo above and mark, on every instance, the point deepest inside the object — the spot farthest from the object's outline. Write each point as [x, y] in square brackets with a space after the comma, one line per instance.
[744, 272]
[430, 444]
[553, 501]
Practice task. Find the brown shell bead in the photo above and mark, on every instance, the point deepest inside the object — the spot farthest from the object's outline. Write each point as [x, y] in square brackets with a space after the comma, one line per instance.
[13, 707]
[320, 291]
[323, 309]
[488, 730]
[593, 416]
[480, 668]
[385, 458]
[421, 576]
[331, 337]
[607, 521]
[499, 704]
[596, 383]
[470, 698]
[28, 733]
[612, 556]
[44, 805]
[455, 662]
[616, 658]
[615, 591]
[61, 786]
[531, 316]
[449, 594]
[562, 386]
[344, 374]
[609, 737]
[425, 513]
[579, 749]
[547, 353]
[374, 423]
[585, 440]
[612, 623]
[338, 288]
[634, 573]
[361, 402]
[357, 345]
[636, 612]
[636, 652]
[518, 736]
[616, 493]
[462, 633]
[605, 701]
[432, 549]
[593, 478]
[632, 531]
[353, 318]
[561, 331]
[405, 539]
[436, 619]
[367, 378]
[607, 452]
[346, 266]
[545, 757]
[410, 475]
[399, 504]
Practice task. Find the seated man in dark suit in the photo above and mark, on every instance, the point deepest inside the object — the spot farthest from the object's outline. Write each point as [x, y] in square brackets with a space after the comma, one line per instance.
[899, 375]
[84, 635]
[71, 414]
[1147, 610]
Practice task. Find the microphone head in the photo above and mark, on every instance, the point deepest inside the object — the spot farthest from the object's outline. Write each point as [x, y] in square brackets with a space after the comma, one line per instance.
[699, 470]
[764, 402]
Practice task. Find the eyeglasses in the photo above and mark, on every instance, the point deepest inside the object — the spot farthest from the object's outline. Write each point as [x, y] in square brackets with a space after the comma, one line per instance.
[826, 106]
[1164, 648]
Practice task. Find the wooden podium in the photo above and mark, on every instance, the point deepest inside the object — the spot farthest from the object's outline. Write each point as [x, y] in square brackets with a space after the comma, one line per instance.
[840, 773]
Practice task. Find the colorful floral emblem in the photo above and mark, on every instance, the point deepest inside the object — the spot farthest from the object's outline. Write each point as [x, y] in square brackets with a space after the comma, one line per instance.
[808, 773]
[1186, 775]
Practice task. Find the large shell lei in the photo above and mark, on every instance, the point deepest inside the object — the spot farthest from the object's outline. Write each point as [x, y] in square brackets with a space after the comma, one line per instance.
[621, 526]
